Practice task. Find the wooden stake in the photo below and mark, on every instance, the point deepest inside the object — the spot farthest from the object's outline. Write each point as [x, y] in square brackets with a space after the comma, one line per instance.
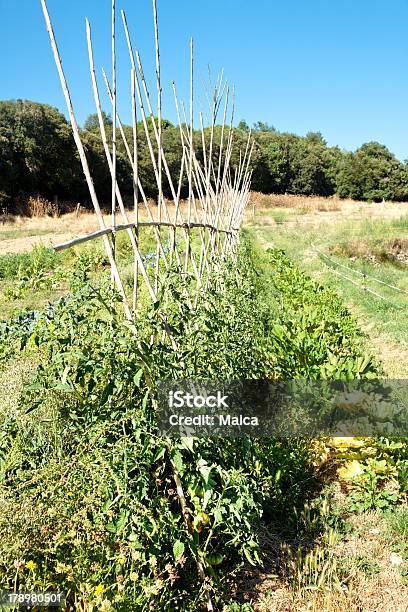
[130, 157]
[84, 161]
[113, 127]
[112, 169]
[135, 187]
[159, 140]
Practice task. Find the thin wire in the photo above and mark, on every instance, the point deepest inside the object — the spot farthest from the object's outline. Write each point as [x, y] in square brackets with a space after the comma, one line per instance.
[366, 276]
[364, 288]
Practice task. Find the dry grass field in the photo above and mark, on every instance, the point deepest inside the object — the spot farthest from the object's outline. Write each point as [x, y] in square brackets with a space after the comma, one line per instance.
[19, 234]
[314, 209]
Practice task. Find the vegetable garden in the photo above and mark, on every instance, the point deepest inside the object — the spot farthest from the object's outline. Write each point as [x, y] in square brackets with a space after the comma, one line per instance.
[93, 502]
[95, 499]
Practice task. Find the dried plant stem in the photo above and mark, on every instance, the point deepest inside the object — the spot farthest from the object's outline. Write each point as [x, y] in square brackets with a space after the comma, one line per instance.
[111, 168]
[84, 161]
[135, 169]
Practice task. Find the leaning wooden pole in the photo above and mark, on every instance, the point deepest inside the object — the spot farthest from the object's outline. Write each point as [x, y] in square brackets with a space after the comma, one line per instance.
[190, 167]
[159, 142]
[135, 186]
[113, 202]
[84, 161]
[131, 161]
[109, 159]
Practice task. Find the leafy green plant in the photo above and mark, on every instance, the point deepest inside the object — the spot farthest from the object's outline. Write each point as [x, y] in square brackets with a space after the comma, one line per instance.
[369, 493]
[31, 264]
[122, 515]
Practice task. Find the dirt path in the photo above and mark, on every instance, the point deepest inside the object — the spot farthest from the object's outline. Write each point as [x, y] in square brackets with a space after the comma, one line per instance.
[20, 245]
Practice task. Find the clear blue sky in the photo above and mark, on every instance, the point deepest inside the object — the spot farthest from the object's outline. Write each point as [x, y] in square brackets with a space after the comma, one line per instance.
[335, 66]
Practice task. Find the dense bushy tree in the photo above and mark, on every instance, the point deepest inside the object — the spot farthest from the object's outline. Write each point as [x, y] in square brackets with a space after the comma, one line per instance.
[372, 173]
[38, 156]
[92, 122]
[37, 152]
[294, 164]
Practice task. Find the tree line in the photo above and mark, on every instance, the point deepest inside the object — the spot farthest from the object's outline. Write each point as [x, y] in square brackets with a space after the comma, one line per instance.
[38, 157]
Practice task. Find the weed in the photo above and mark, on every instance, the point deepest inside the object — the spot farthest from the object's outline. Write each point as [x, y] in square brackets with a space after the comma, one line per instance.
[370, 493]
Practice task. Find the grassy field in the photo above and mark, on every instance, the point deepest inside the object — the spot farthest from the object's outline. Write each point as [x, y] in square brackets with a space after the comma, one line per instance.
[370, 239]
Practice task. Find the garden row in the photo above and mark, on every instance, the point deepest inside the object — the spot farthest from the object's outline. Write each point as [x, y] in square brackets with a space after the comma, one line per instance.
[93, 501]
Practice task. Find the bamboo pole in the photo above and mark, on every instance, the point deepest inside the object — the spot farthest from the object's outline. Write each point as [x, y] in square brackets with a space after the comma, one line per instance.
[143, 114]
[176, 196]
[131, 161]
[110, 161]
[217, 194]
[227, 162]
[159, 140]
[189, 152]
[142, 109]
[84, 161]
[141, 224]
[222, 138]
[190, 166]
[113, 127]
[135, 169]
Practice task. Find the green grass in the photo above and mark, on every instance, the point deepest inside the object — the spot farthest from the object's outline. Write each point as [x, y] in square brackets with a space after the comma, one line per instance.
[397, 536]
[387, 317]
[17, 264]
[397, 522]
[25, 233]
[31, 279]
[279, 216]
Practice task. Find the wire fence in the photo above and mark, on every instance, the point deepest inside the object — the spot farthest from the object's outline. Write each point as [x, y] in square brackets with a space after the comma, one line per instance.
[330, 263]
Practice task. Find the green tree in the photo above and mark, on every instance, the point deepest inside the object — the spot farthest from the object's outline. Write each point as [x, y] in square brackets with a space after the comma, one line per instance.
[242, 125]
[92, 122]
[372, 173]
[261, 126]
[310, 167]
[37, 152]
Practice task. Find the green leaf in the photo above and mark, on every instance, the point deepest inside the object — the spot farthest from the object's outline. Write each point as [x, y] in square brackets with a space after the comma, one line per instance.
[188, 443]
[160, 453]
[178, 549]
[205, 470]
[178, 462]
[137, 377]
[64, 387]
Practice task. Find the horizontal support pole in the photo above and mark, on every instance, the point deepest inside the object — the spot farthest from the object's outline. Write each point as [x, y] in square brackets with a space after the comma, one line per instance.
[74, 241]
[120, 228]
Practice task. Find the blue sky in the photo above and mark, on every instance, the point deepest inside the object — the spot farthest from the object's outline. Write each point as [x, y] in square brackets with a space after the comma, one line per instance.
[335, 66]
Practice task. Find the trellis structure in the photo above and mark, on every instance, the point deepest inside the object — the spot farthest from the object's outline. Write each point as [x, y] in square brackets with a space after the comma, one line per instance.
[196, 238]
[217, 192]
